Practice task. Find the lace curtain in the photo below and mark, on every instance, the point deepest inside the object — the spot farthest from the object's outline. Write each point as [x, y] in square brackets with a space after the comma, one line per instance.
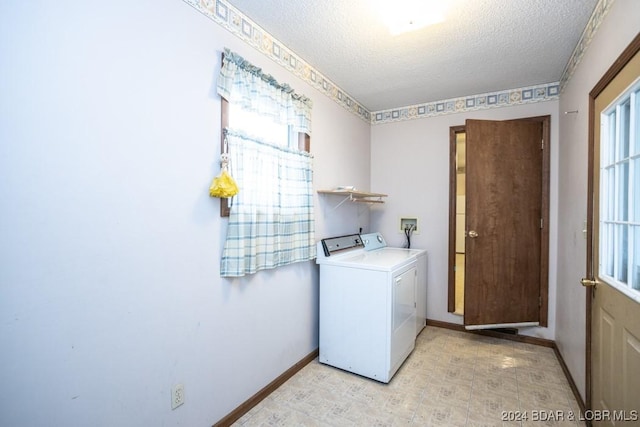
[271, 222]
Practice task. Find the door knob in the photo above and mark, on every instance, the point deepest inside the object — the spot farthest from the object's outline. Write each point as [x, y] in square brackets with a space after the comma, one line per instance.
[589, 282]
[473, 234]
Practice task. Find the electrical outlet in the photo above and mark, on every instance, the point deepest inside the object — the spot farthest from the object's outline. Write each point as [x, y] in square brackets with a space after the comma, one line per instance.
[177, 396]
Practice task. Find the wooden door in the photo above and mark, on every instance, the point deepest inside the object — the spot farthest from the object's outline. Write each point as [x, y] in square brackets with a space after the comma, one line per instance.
[503, 222]
[613, 256]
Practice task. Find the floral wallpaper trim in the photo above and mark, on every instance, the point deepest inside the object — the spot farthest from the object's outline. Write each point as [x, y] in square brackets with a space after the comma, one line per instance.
[240, 25]
[599, 12]
[224, 14]
[527, 95]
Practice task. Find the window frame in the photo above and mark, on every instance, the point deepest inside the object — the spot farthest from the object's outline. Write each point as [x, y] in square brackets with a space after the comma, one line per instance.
[612, 222]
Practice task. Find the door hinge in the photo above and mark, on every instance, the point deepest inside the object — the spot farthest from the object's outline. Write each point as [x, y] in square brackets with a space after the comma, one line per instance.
[539, 301]
[542, 144]
[541, 223]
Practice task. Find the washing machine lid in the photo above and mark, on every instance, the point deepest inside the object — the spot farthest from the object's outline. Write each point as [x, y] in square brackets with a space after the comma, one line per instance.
[383, 259]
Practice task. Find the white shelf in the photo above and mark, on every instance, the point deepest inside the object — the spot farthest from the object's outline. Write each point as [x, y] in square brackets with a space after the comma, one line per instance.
[355, 196]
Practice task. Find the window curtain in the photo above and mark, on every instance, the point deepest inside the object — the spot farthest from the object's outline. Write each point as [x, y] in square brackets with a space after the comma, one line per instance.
[271, 222]
[245, 85]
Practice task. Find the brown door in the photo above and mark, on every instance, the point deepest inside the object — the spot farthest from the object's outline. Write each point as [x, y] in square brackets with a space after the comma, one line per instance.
[503, 223]
[613, 258]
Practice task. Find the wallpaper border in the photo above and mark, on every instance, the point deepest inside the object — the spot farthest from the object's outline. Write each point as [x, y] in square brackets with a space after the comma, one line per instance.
[599, 12]
[224, 14]
[503, 98]
[250, 32]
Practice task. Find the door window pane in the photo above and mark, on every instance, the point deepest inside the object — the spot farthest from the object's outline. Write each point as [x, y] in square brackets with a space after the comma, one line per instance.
[636, 197]
[610, 148]
[622, 195]
[609, 187]
[619, 233]
[635, 263]
[607, 256]
[635, 124]
[621, 250]
[623, 126]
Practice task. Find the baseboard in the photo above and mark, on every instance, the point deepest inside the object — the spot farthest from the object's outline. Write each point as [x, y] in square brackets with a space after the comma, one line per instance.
[493, 333]
[245, 407]
[520, 338]
[446, 325]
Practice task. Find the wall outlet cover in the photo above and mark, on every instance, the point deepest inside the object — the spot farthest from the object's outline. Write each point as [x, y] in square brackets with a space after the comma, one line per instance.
[177, 395]
[409, 221]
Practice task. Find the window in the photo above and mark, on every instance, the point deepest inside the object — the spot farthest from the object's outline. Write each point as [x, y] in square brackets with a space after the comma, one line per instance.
[619, 226]
[266, 127]
[254, 123]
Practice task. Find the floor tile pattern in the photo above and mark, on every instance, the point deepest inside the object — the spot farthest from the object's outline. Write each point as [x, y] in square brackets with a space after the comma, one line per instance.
[451, 379]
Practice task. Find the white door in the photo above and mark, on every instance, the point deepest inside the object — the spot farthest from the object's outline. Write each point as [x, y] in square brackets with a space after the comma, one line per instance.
[614, 254]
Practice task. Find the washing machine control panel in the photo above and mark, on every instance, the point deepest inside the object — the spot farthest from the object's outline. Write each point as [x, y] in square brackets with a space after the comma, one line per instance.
[373, 241]
[337, 244]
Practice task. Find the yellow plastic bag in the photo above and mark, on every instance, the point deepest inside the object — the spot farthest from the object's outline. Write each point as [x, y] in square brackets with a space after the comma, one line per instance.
[223, 185]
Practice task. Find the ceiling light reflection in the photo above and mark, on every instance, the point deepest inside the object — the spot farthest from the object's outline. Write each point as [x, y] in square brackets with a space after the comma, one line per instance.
[402, 16]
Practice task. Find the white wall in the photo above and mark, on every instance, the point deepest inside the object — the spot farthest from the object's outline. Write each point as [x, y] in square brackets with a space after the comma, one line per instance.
[110, 245]
[617, 30]
[410, 162]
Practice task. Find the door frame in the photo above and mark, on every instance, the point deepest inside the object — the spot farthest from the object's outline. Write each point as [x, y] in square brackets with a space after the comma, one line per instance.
[630, 51]
[453, 185]
[544, 237]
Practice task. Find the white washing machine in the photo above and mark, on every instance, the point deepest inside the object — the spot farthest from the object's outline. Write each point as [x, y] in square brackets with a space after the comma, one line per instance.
[368, 303]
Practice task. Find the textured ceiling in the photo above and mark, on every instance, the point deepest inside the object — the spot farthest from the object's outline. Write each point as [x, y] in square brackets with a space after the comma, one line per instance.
[483, 46]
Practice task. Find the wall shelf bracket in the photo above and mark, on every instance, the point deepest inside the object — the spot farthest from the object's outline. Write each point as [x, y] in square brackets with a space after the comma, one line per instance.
[355, 196]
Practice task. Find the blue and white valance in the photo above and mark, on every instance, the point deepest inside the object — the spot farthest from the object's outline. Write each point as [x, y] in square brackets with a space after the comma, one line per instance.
[244, 84]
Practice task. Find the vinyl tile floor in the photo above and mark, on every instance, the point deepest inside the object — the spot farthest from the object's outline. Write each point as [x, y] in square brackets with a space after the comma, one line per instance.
[450, 379]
